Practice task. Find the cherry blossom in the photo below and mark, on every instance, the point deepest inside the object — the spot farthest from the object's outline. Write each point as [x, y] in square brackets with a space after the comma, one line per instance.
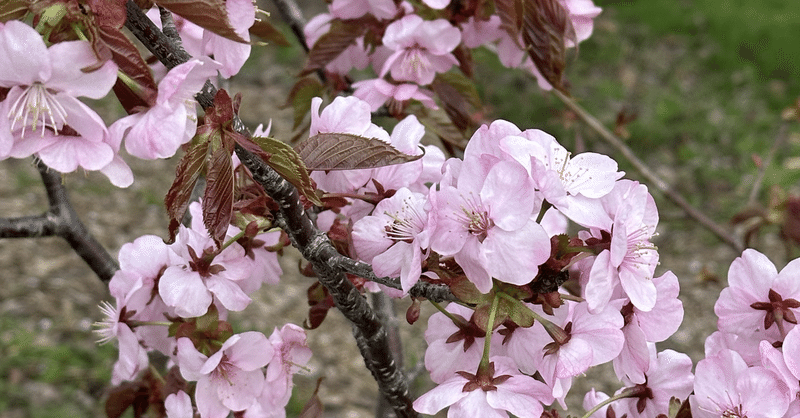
[725, 386]
[199, 279]
[393, 238]
[758, 296]
[40, 114]
[669, 375]
[179, 405]
[377, 91]
[505, 390]
[289, 355]
[581, 340]
[421, 48]
[231, 378]
[486, 224]
[642, 327]
[160, 130]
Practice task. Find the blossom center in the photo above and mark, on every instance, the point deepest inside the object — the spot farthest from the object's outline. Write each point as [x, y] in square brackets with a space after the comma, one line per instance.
[37, 106]
[406, 223]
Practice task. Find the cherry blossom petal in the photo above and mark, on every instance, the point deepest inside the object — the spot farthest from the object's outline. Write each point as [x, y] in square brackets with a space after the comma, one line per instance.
[228, 293]
[185, 291]
[23, 54]
[74, 82]
[190, 360]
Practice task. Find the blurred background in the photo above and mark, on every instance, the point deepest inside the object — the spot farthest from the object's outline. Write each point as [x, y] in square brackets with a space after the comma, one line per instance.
[695, 87]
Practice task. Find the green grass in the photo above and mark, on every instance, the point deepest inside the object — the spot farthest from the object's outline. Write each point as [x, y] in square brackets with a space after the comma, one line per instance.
[39, 379]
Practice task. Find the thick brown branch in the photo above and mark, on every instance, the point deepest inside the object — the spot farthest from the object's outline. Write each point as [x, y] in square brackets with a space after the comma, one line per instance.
[61, 220]
[313, 244]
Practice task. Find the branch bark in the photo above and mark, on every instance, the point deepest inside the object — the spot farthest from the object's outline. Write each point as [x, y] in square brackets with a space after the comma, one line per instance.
[314, 245]
[61, 220]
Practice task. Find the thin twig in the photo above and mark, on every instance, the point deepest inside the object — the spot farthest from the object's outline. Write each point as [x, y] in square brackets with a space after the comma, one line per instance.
[651, 177]
[759, 180]
[61, 220]
[290, 13]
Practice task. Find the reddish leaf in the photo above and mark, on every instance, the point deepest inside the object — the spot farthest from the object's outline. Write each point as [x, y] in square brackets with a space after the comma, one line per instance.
[266, 31]
[186, 174]
[221, 113]
[341, 35]
[300, 97]
[218, 195]
[339, 151]
[459, 97]
[546, 27]
[313, 408]
[284, 160]
[510, 13]
[130, 61]
[208, 14]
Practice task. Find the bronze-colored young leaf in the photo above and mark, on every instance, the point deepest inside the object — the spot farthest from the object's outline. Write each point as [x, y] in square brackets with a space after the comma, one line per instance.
[284, 160]
[546, 27]
[339, 151]
[208, 14]
[264, 29]
[340, 36]
[218, 195]
[13, 9]
[459, 97]
[186, 174]
[510, 13]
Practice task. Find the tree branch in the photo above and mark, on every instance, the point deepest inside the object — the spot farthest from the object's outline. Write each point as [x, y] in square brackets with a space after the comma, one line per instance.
[314, 245]
[61, 220]
[652, 178]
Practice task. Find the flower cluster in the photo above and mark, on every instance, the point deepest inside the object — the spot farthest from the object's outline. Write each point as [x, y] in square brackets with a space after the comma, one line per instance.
[41, 116]
[494, 221]
[172, 299]
[407, 51]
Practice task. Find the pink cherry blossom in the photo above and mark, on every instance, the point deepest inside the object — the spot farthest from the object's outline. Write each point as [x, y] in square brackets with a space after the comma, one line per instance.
[393, 238]
[670, 375]
[196, 281]
[160, 131]
[232, 54]
[377, 91]
[588, 340]
[231, 378]
[289, 355]
[352, 9]
[758, 296]
[452, 348]
[421, 48]
[725, 386]
[40, 113]
[642, 327]
[132, 356]
[505, 391]
[179, 405]
[631, 258]
[486, 224]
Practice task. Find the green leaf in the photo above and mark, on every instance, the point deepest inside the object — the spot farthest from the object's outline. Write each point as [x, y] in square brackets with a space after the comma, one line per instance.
[300, 97]
[218, 195]
[339, 151]
[517, 312]
[208, 14]
[284, 160]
